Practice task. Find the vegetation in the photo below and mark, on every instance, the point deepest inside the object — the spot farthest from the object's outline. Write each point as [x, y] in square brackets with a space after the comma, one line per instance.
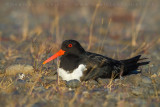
[31, 31]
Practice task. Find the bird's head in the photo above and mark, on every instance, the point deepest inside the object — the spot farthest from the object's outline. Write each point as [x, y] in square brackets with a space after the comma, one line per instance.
[68, 47]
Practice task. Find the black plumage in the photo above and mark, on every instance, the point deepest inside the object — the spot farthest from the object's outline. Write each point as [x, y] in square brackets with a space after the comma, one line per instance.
[98, 66]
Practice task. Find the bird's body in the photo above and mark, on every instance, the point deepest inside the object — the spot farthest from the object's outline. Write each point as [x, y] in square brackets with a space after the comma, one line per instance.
[76, 63]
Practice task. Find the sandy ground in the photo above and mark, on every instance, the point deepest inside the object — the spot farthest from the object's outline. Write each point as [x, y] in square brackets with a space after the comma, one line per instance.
[32, 31]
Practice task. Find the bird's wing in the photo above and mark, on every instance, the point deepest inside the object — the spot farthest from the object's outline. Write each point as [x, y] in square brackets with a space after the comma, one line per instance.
[99, 60]
[99, 66]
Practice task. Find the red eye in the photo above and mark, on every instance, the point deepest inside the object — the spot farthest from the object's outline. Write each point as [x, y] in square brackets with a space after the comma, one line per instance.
[70, 45]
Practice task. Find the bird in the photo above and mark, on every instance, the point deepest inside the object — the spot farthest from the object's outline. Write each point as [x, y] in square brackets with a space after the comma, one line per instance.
[81, 65]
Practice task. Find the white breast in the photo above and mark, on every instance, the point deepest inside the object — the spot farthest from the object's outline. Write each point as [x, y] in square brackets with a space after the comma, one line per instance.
[76, 74]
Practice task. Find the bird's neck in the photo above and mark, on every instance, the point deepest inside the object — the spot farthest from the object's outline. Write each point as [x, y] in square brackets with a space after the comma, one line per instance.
[70, 62]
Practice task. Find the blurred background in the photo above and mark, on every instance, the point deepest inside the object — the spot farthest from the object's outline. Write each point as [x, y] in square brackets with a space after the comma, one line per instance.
[115, 28]
[33, 30]
[80, 19]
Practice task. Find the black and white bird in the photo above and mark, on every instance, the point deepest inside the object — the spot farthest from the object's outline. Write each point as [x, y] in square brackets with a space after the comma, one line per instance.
[76, 63]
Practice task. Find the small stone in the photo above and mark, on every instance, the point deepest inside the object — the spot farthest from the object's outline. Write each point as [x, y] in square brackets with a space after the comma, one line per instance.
[122, 95]
[153, 76]
[112, 103]
[137, 91]
[116, 80]
[139, 102]
[73, 83]
[146, 86]
[151, 91]
[135, 79]
[111, 95]
[146, 80]
[21, 76]
[14, 69]
[123, 103]
[85, 93]
[20, 81]
[54, 77]
[39, 104]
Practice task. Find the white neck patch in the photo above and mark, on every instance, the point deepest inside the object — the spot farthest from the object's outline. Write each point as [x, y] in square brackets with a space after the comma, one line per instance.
[76, 74]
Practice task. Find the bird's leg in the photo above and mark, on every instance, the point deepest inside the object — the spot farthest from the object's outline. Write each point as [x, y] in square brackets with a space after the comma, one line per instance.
[121, 78]
[57, 78]
[121, 72]
[58, 62]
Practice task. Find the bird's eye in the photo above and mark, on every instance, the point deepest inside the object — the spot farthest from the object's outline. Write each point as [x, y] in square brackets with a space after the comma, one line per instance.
[70, 45]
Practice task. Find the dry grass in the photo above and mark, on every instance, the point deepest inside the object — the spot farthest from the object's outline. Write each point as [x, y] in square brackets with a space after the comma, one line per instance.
[43, 92]
[139, 24]
[92, 25]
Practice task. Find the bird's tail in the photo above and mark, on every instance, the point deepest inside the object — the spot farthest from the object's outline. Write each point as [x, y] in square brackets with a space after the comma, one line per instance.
[132, 64]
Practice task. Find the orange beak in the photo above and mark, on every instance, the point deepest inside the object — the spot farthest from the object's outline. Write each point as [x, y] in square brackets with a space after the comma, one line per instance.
[59, 53]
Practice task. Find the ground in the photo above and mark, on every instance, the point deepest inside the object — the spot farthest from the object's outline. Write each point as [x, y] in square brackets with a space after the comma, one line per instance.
[31, 31]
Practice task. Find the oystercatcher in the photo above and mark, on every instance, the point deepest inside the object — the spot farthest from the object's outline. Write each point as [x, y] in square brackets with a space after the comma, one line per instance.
[76, 63]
